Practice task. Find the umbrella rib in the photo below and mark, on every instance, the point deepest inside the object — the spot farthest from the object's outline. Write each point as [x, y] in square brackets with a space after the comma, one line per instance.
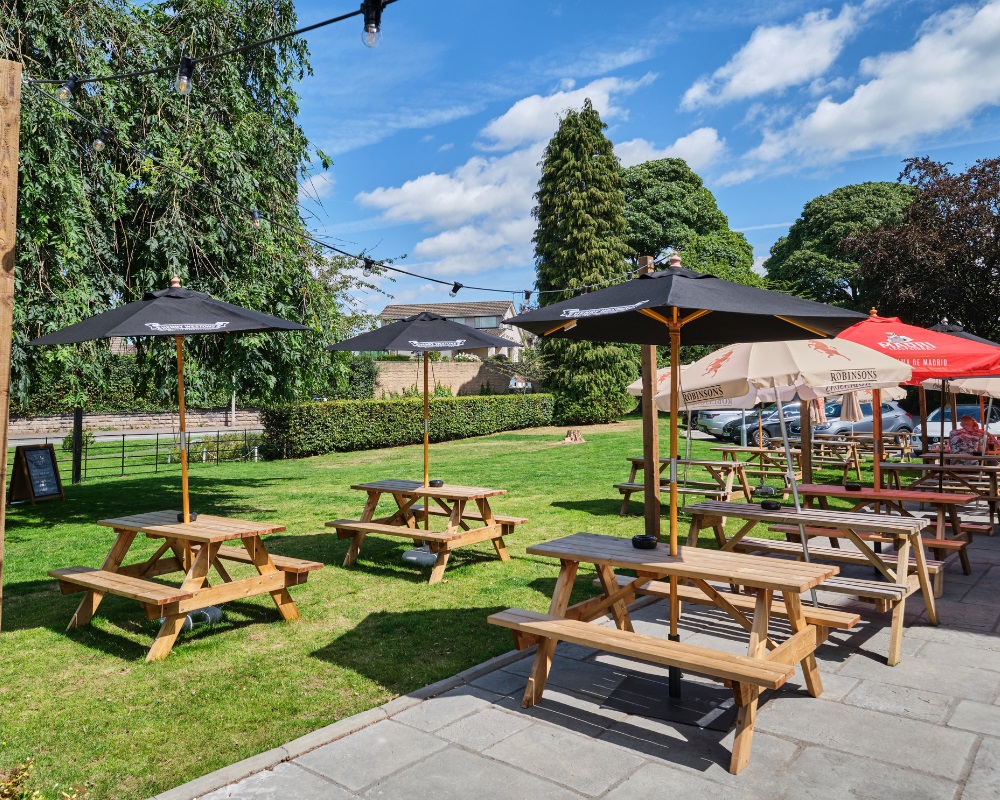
[695, 315]
[791, 321]
[560, 326]
[652, 314]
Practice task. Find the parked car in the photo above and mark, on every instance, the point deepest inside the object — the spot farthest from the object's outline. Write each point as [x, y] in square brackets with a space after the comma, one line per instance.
[894, 420]
[712, 420]
[934, 424]
[769, 427]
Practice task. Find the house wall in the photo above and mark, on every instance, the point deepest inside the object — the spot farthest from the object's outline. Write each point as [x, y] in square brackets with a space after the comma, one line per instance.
[196, 418]
[462, 377]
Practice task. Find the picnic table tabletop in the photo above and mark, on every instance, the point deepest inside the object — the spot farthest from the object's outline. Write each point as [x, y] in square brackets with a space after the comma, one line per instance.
[416, 488]
[207, 528]
[872, 494]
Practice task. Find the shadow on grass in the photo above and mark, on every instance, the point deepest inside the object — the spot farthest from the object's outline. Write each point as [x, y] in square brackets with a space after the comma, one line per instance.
[597, 508]
[403, 651]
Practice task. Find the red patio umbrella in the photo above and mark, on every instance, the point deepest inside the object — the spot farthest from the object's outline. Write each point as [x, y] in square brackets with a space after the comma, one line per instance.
[934, 355]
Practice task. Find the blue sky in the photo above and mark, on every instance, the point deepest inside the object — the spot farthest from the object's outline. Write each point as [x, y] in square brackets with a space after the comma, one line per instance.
[437, 134]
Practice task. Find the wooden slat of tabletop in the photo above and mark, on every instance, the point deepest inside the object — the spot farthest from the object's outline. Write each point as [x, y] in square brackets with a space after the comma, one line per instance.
[207, 528]
[446, 492]
[917, 466]
[847, 519]
[691, 562]
[869, 493]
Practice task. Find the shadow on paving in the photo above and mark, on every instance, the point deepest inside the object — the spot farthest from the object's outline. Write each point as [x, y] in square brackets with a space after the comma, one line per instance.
[403, 651]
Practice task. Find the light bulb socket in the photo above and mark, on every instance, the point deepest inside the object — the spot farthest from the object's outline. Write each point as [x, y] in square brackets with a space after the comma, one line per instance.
[255, 217]
[104, 137]
[371, 34]
[66, 91]
[454, 289]
[185, 71]
[527, 295]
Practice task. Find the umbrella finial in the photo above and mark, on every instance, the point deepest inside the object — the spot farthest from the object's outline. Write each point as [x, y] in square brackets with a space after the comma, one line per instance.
[944, 320]
[674, 262]
[175, 282]
[873, 312]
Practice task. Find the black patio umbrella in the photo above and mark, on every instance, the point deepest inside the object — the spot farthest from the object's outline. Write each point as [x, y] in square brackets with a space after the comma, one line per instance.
[176, 312]
[944, 326]
[672, 307]
[423, 333]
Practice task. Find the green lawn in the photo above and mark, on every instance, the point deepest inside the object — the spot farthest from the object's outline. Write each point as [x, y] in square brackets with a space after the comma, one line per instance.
[90, 711]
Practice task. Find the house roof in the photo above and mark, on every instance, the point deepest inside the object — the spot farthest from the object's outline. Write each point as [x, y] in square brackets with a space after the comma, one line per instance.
[488, 308]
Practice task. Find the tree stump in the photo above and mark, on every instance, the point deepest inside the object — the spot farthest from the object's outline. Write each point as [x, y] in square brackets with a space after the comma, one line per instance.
[573, 437]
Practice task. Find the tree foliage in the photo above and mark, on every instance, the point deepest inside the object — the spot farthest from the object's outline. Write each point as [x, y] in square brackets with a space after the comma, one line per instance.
[97, 229]
[668, 208]
[812, 261]
[943, 258]
[580, 241]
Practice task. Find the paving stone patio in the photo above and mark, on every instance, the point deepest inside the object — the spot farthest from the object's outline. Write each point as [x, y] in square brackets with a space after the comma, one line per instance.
[926, 728]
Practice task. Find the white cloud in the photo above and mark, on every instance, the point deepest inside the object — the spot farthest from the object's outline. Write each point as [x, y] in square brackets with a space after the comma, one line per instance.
[951, 72]
[536, 118]
[777, 57]
[317, 187]
[446, 147]
[700, 149]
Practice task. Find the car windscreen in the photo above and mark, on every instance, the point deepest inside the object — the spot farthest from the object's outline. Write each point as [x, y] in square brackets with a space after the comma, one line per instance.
[971, 411]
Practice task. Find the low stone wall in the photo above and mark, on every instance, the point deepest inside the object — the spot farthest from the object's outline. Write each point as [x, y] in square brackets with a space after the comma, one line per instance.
[196, 418]
[462, 377]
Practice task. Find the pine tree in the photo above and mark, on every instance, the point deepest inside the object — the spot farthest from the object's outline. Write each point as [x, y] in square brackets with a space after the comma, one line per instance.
[580, 242]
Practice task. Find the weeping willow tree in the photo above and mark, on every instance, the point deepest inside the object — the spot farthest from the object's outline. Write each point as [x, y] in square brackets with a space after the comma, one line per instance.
[580, 242]
[100, 227]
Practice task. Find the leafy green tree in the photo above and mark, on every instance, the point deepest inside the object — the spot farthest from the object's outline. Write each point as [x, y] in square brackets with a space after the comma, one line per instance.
[99, 228]
[942, 258]
[668, 208]
[812, 261]
[580, 241]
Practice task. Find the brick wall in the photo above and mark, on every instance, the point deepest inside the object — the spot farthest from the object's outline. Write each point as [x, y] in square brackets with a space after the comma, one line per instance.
[196, 418]
[462, 377]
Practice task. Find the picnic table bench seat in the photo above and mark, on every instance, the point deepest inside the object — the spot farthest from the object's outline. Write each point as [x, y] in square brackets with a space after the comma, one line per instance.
[822, 618]
[700, 488]
[297, 566]
[349, 528]
[81, 579]
[768, 672]
[942, 548]
[503, 519]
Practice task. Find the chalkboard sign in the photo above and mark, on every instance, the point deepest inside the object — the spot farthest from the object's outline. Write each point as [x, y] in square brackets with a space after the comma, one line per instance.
[35, 475]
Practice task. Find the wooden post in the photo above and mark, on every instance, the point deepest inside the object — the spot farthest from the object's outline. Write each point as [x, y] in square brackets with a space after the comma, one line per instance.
[427, 449]
[805, 429]
[650, 430]
[185, 496]
[10, 128]
[877, 436]
[924, 444]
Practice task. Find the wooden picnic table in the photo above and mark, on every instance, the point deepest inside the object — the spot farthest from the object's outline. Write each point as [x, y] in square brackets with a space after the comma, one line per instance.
[979, 479]
[764, 462]
[448, 501]
[829, 451]
[717, 484]
[192, 548]
[861, 529]
[746, 674]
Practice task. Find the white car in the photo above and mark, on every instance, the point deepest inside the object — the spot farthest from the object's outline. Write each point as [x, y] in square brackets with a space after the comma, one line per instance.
[712, 420]
[934, 424]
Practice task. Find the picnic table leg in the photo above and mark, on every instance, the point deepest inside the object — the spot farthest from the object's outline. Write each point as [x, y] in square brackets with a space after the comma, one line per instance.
[610, 585]
[925, 587]
[899, 610]
[796, 619]
[92, 599]
[747, 695]
[627, 493]
[262, 562]
[547, 647]
[170, 628]
[488, 519]
[443, 554]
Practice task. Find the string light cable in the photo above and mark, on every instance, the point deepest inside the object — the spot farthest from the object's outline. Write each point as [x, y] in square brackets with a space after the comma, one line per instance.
[105, 137]
[371, 10]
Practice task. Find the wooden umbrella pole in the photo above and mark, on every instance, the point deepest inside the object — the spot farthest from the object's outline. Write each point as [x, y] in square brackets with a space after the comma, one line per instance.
[427, 449]
[185, 497]
[924, 433]
[877, 431]
[650, 443]
[10, 125]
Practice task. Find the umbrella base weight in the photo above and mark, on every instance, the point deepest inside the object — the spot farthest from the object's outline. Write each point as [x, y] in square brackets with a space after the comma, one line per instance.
[702, 705]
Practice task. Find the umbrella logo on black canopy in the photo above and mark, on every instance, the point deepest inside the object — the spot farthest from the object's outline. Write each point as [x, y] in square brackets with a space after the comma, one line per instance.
[428, 345]
[185, 327]
[577, 313]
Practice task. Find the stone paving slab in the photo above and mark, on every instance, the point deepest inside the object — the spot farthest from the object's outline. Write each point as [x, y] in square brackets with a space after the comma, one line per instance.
[925, 729]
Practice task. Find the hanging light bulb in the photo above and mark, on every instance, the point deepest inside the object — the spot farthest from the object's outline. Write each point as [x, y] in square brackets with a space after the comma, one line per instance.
[371, 35]
[103, 139]
[454, 288]
[65, 91]
[527, 295]
[367, 271]
[255, 217]
[185, 70]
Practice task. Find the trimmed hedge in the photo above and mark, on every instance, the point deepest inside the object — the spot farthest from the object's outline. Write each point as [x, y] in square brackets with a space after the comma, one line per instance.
[309, 429]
